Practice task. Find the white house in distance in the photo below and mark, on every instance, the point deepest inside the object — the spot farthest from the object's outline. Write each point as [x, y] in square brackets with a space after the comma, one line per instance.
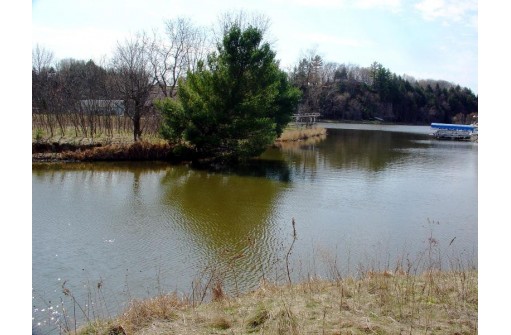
[121, 107]
[102, 107]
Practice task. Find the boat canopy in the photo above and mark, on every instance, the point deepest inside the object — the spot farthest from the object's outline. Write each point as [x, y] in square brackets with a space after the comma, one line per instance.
[453, 126]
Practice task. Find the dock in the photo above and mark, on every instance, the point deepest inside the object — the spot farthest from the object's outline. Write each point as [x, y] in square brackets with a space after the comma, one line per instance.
[308, 118]
[454, 132]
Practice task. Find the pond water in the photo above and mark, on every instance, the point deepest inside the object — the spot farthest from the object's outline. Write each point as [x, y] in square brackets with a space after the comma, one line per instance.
[364, 197]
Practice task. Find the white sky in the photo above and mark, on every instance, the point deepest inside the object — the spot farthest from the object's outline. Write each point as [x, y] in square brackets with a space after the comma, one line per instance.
[427, 39]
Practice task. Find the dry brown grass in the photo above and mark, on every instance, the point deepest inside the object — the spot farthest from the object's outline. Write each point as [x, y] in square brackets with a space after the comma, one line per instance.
[141, 313]
[103, 138]
[117, 146]
[292, 134]
[142, 150]
[379, 303]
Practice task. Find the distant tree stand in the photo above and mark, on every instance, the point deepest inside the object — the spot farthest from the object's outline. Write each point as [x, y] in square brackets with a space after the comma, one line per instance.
[132, 79]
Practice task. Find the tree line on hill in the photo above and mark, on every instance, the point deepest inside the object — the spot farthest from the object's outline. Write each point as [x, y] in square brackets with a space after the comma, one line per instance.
[147, 67]
[354, 93]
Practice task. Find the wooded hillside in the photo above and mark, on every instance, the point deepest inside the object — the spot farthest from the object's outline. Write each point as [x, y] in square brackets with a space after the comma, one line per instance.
[350, 92]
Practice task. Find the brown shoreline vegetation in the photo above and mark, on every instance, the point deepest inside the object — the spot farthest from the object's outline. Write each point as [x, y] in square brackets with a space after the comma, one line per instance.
[435, 302]
[153, 149]
[142, 150]
[293, 134]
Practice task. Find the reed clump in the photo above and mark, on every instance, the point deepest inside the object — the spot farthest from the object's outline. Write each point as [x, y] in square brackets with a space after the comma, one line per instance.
[140, 313]
[292, 134]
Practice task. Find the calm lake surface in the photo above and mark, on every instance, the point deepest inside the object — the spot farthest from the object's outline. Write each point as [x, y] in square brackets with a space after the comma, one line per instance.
[365, 197]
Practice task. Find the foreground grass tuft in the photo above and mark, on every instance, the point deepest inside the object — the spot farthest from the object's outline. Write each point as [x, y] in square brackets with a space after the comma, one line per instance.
[220, 323]
[435, 302]
[256, 321]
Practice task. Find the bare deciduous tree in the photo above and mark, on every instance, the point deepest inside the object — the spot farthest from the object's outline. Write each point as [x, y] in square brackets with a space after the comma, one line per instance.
[42, 73]
[133, 78]
[177, 52]
[242, 20]
[42, 58]
[45, 88]
[328, 73]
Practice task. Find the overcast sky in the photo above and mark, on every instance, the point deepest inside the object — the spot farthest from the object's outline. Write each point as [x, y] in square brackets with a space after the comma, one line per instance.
[427, 39]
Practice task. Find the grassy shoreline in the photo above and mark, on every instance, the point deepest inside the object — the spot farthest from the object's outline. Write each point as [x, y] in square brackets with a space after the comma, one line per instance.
[122, 148]
[435, 302]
